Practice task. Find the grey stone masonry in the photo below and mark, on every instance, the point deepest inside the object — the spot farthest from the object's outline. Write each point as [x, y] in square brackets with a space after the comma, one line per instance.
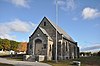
[43, 42]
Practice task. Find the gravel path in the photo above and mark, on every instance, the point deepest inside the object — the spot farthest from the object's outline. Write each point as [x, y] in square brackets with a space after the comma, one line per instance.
[22, 63]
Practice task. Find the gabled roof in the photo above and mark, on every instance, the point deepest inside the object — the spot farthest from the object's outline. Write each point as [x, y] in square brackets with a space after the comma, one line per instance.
[43, 30]
[60, 30]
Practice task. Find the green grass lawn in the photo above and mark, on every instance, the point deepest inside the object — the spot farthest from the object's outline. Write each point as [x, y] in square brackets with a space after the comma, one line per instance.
[59, 63]
[90, 61]
[14, 57]
[85, 61]
[3, 64]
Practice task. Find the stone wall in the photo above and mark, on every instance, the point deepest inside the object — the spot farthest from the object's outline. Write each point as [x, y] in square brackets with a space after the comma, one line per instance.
[37, 35]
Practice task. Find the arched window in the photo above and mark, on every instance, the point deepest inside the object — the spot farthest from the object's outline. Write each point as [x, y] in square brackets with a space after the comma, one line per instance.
[44, 23]
[38, 41]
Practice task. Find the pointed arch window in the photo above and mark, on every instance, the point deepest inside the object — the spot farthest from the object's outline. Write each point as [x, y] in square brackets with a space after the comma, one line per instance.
[44, 23]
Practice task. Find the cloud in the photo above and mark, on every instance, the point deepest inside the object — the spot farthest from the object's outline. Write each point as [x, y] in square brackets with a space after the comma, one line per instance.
[20, 26]
[66, 4]
[5, 32]
[61, 2]
[16, 25]
[7, 36]
[91, 48]
[70, 4]
[90, 13]
[22, 3]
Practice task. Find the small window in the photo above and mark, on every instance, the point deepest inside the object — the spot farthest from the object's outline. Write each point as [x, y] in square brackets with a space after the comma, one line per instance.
[45, 45]
[44, 23]
[30, 46]
[50, 47]
[66, 46]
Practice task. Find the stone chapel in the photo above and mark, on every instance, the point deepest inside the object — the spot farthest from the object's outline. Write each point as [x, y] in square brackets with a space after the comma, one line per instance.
[43, 42]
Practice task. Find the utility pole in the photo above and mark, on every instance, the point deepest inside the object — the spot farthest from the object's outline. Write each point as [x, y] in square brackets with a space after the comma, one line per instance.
[56, 29]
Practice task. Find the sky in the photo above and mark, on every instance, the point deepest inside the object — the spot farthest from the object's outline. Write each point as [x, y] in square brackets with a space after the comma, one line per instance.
[79, 18]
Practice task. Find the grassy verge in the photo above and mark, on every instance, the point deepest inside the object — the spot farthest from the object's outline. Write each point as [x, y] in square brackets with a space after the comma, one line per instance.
[90, 61]
[13, 57]
[3, 64]
[85, 61]
[59, 63]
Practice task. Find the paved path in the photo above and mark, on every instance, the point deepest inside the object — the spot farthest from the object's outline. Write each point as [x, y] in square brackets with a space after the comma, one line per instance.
[22, 63]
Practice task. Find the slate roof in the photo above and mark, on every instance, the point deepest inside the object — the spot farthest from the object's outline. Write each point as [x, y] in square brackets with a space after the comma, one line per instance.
[43, 30]
[60, 30]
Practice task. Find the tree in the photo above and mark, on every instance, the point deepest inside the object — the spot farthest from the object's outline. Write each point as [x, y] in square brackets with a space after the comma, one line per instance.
[82, 53]
[22, 46]
[88, 53]
[6, 44]
[14, 45]
[1, 47]
[98, 53]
